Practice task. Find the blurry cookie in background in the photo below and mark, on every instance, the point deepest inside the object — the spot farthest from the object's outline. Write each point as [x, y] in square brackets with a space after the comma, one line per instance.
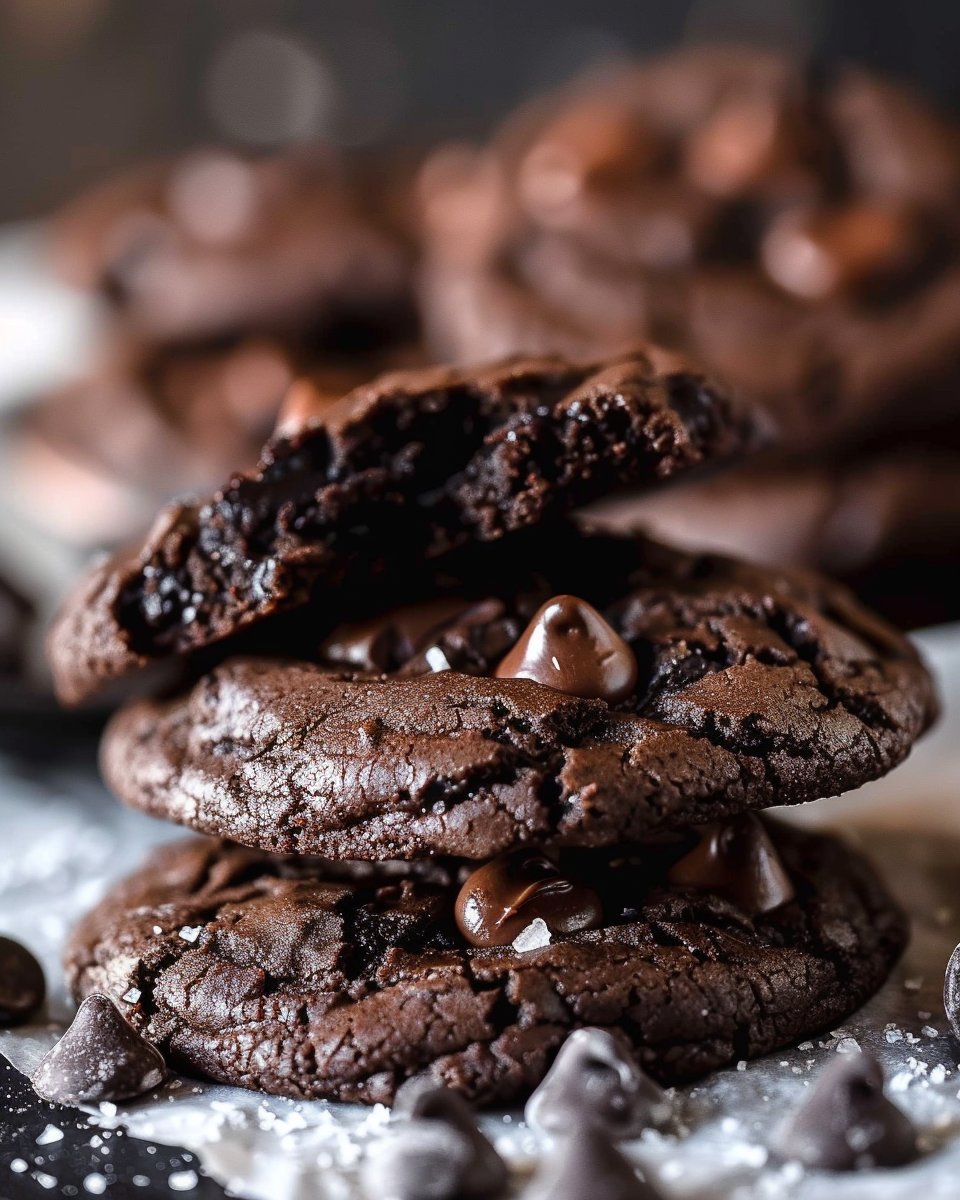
[797, 231]
[213, 245]
[887, 524]
[222, 277]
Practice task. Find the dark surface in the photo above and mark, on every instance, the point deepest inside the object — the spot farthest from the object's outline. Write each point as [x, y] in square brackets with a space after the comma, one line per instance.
[24, 1117]
[341, 980]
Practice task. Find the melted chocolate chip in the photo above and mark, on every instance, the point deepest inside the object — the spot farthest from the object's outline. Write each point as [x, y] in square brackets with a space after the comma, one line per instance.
[951, 992]
[100, 1057]
[847, 1123]
[587, 1166]
[449, 633]
[503, 897]
[595, 1081]
[22, 986]
[737, 860]
[570, 647]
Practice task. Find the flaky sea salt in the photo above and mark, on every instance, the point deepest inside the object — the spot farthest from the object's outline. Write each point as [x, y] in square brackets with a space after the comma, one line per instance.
[50, 1135]
[18, 1165]
[848, 1045]
[95, 1184]
[131, 996]
[190, 933]
[183, 1181]
[436, 659]
[929, 1031]
[534, 937]
[44, 1179]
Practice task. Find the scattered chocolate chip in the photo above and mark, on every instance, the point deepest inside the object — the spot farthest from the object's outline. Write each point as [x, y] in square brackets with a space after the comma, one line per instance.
[100, 1057]
[22, 986]
[595, 1081]
[951, 992]
[847, 1123]
[587, 1166]
[436, 1150]
[502, 898]
[737, 860]
[570, 647]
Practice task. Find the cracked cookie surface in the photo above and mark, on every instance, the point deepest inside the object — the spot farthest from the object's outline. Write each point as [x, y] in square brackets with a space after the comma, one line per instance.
[753, 689]
[341, 980]
[362, 490]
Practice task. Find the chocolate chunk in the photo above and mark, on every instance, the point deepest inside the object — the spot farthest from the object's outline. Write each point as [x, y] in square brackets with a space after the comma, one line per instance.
[436, 1149]
[22, 985]
[818, 255]
[847, 1123]
[503, 897]
[570, 647]
[413, 637]
[100, 1057]
[595, 1081]
[736, 859]
[951, 992]
[587, 1166]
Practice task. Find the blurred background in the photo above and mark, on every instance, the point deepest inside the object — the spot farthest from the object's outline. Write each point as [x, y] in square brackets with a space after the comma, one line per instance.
[87, 86]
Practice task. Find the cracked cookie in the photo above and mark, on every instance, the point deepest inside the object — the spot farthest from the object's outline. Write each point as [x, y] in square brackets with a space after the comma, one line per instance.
[341, 980]
[579, 688]
[352, 493]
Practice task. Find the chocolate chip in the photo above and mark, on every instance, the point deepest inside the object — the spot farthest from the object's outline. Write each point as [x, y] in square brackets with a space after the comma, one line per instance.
[435, 1151]
[22, 986]
[587, 1166]
[847, 1123]
[100, 1057]
[570, 647]
[951, 992]
[502, 898]
[737, 860]
[595, 1081]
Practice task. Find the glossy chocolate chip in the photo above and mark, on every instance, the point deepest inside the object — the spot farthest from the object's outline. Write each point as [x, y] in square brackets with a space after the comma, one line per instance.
[385, 643]
[847, 1123]
[818, 255]
[951, 992]
[100, 1057]
[595, 1081]
[737, 860]
[435, 1149]
[501, 899]
[22, 985]
[587, 1166]
[570, 647]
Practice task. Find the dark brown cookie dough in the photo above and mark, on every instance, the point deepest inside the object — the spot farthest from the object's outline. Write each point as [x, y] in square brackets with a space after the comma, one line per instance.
[341, 981]
[795, 230]
[213, 244]
[752, 689]
[399, 471]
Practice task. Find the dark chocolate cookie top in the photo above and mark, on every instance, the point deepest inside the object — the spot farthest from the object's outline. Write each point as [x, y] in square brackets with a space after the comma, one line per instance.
[356, 493]
[578, 688]
[342, 980]
[793, 228]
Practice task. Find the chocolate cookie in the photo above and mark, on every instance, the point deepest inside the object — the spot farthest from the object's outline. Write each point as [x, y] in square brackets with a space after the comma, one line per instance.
[397, 472]
[341, 980]
[213, 244]
[583, 689]
[794, 229]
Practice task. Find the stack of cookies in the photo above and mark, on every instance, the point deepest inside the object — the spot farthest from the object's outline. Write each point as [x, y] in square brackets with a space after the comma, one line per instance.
[471, 775]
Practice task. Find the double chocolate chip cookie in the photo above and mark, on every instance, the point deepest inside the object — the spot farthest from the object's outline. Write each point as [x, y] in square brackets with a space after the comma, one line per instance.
[491, 772]
[340, 980]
